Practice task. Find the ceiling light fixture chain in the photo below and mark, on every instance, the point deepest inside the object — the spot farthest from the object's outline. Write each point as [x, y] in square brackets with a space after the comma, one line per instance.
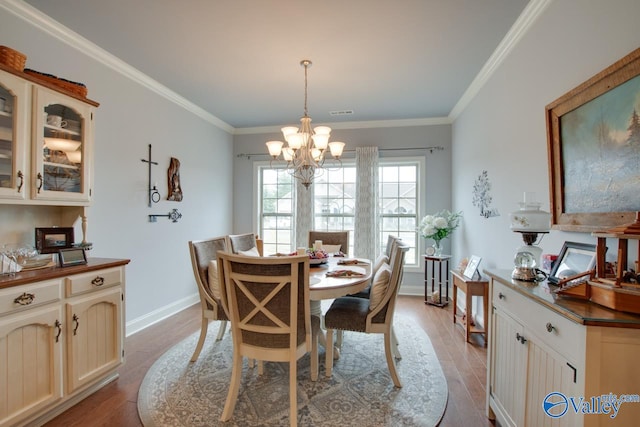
[306, 148]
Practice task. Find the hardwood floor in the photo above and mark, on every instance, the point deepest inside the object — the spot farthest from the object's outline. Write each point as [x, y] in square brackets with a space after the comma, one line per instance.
[464, 365]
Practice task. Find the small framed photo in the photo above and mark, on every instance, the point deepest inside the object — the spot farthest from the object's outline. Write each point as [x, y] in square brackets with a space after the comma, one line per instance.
[472, 267]
[574, 258]
[71, 256]
[50, 240]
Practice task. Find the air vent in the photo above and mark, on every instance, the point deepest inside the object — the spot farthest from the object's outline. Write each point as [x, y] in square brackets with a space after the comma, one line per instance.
[341, 113]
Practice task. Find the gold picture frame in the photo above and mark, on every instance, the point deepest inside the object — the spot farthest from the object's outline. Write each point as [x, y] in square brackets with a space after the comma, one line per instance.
[585, 126]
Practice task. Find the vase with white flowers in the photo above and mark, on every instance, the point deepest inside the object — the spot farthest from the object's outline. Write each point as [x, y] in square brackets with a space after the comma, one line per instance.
[439, 226]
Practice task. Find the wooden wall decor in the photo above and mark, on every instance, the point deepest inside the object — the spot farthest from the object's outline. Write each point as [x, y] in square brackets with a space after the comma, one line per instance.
[173, 174]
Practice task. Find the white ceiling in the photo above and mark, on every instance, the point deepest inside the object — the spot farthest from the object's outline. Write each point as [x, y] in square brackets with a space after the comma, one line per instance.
[239, 59]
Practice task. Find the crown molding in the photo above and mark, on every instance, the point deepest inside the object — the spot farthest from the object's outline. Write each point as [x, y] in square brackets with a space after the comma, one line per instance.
[55, 29]
[357, 125]
[524, 22]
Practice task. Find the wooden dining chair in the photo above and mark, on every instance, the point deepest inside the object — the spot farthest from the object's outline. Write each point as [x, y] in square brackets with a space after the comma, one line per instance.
[372, 315]
[267, 299]
[205, 270]
[392, 242]
[244, 244]
[331, 238]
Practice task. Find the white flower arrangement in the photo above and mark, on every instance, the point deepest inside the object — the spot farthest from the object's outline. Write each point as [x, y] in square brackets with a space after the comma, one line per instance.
[440, 225]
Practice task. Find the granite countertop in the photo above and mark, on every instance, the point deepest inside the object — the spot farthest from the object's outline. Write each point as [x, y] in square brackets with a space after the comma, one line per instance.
[577, 310]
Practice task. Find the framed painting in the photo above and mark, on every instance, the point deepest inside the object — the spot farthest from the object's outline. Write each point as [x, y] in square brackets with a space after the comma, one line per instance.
[52, 239]
[593, 141]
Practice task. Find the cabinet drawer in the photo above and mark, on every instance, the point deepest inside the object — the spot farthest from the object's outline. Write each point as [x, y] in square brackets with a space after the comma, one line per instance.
[87, 282]
[550, 328]
[22, 297]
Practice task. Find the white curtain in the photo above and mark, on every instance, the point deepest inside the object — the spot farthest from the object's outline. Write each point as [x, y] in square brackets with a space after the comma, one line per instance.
[366, 215]
[304, 214]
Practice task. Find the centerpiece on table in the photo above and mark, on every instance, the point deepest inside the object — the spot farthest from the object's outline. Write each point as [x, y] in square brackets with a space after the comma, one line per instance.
[437, 227]
[317, 256]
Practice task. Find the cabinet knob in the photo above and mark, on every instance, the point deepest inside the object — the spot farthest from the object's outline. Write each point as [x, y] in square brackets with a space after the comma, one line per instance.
[58, 326]
[520, 338]
[550, 327]
[76, 320]
[98, 281]
[21, 178]
[501, 295]
[25, 299]
[40, 181]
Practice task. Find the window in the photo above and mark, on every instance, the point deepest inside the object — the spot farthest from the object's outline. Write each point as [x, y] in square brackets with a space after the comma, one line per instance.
[276, 210]
[334, 201]
[398, 203]
[334, 204]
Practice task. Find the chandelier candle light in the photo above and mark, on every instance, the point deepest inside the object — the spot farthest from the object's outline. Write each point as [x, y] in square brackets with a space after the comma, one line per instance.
[306, 149]
[438, 227]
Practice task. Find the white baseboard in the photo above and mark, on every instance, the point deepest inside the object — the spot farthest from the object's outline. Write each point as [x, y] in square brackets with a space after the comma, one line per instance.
[136, 325]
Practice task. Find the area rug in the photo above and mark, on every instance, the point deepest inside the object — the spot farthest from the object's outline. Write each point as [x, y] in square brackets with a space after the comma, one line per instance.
[360, 392]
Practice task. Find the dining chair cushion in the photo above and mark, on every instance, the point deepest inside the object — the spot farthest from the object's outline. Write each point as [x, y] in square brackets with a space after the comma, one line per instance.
[382, 259]
[379, 286]
[331, 249]
[347, 313]
[214, 283]
[250, 252]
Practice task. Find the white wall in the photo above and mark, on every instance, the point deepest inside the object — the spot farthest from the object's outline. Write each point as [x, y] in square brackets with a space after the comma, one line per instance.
[503, 129]
[436, 185]
[130, 116]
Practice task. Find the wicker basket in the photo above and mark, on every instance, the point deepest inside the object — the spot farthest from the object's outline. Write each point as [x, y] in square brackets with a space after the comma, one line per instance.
[73, 87]
[12, 58]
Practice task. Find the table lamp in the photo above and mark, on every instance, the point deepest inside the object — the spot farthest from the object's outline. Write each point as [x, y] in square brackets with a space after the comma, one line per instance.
[531, 221]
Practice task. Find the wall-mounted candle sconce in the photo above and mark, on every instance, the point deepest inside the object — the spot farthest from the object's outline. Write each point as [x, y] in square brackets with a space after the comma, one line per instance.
[154, 194]
[174, 216]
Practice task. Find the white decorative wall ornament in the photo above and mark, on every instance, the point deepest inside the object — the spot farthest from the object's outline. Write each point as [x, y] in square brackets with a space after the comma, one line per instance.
[482, 196]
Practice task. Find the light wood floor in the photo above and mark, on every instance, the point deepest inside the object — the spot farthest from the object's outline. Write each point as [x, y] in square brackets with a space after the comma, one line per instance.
[464, 365]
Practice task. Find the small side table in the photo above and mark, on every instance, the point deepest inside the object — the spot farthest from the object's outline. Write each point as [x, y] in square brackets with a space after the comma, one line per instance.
[471, 287]
[436, 264]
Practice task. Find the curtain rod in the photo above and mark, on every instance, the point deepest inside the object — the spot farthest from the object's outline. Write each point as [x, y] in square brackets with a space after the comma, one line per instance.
[430, 149]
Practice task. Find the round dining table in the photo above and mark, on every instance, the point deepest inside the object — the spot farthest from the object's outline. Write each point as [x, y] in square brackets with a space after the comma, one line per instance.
[324, 287]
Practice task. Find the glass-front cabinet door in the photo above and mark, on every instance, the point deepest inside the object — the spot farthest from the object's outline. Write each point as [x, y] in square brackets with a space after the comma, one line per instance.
[13, 133]
[62, 137]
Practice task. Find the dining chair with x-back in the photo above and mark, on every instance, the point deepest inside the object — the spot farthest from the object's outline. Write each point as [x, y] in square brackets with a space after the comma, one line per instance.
[267, 299]
[205, 269]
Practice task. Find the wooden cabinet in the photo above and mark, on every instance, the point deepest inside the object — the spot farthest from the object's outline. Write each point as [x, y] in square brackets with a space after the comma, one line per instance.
[62, 142]
[31, 354]
[14, 136]
[46, 143]
[548, 349]
[61, 337]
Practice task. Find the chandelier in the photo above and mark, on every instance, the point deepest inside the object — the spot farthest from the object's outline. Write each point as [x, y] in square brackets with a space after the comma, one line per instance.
[306, 148]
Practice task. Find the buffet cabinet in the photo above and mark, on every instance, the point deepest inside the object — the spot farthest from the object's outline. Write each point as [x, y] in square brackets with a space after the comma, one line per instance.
[551, 358]
[46, 143]
[61, 337]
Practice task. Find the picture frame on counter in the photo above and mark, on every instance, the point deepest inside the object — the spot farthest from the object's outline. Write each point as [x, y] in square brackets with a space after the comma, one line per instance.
[49, 240]
[72, 256]
[574, 258]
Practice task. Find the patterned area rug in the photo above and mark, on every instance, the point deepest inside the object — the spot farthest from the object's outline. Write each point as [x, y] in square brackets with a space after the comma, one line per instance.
[175, 392]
